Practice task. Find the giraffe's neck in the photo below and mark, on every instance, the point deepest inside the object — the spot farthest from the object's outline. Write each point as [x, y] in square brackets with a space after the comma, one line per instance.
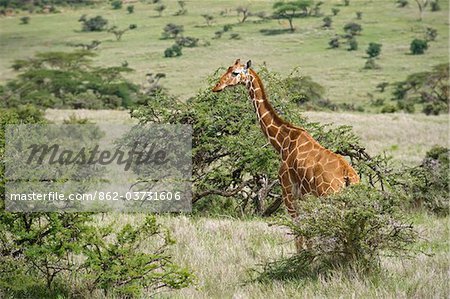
[271, 123]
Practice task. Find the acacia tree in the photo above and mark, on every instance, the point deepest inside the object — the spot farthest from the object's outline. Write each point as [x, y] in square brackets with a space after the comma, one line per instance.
[421, 5]
[290, 10]
[245, 13]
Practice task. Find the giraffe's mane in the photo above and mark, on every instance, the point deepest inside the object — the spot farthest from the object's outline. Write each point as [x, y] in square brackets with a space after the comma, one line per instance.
[270, 107]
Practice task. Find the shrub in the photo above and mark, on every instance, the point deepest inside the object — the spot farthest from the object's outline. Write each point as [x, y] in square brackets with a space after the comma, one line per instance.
[334, 42]
[235, 36]
[182, 11]
[373, 50]
[418, 46]
[24, 20]
[402, 3]
[208, 19]
[353, 28]
[173, 51]
[189, 42]
[352, 44]
[335, 11]
[430, 34]
[389, 108]
[346, 2]
[348, 231]
[172, 30]
[327, 21]
[160, 8]
[359, 15]
[130, 9]
[371, 64]
[116, 4]
[435, 5]
[97, 23]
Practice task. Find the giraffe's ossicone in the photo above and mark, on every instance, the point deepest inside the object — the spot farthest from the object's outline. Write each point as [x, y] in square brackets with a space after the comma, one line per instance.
[306, 166]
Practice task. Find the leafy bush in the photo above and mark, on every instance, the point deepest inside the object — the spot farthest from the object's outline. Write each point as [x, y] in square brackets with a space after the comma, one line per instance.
[389, 108]
[172, 30]
[130, 9]
[435, 5]
[352, 44]
[25, 20]
[353, 28]
[97, 23]
[418, 46]
[116, 4]
[173, 51]
[430, 34]
[351, 230]
[334, 42]
[359, 15]
[71, 81]
[373, 50]
[189, 42]
[428, 89]
[335, 11]
[327, 21]
[371, 64]
[402, 3]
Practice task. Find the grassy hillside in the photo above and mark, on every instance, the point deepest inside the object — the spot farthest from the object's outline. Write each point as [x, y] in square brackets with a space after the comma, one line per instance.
[340, 71]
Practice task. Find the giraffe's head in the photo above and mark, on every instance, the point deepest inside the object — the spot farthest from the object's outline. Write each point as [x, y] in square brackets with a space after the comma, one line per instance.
[236, 74]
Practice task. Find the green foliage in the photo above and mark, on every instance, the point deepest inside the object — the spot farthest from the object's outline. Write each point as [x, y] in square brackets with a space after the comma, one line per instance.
[430, 34]
[25, 20]
[160, 8]
[130, 9]
[188, 41]
[352, 44]
[208, 19]
[371, 64]
[334, 42]
[427, 185]
[182, 11]
[119, 32]
[373, 50]
[428, 89]
[389, 108]
[402, 3]
[327, 21]
[116, 4]
[335, 11]
[418, 46]
[359, 15]
[97, 23]
[348, 231]
[435, 5]
[291, 9]
[172, 30]
[353, 28]
[173, 51]
[67, 80]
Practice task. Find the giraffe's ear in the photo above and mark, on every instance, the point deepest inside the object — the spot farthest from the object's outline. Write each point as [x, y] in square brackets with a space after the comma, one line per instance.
[249, 64]
[237, 62]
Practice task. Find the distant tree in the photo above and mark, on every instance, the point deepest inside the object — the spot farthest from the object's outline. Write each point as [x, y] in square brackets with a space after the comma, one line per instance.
[359, 15]
[208, 19]
[335, 11]
[244, 11]
[119, 32]
[418, 46]
[352, 28]
[421, 5]
[327, 21]
[116, 4]
[402, 3]
[373, 50]
[130, 9]
[435, 5]
[172, 30]
[173, 51]
[352, 44]
[371, 64]
[227, 28]
[346, 2]
[97, 23]
[334, 42]
[182, 10]
[160, 8]
[24, 20]
[430, 34]
[316, 9]
[290, 10]
[189, 42]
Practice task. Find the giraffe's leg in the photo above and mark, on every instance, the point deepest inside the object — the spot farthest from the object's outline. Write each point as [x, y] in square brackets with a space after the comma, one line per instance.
[288, 192]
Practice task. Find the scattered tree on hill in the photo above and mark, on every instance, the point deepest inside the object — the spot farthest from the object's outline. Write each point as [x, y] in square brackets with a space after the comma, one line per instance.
[244, 11]
[418, 46]
[327, 21]
[430, 34]
[353, 28]
[24, 20]
[160, 8]
[335, 11]
[290, 10]
[130, 9]
[428, 89]
[346, 2]
[373, 50]
[173, 51]
[402, 3]
[421, 5]
[119, 32]
[182, 11]
[334, 42]
[97, 23]
[359, 15]
[352, 44]
[435, 5]
[189, 42]
[208, 19]
[172, 30]
[116, 4]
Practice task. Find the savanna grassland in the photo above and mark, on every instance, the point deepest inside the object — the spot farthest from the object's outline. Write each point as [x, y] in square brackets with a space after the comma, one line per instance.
[222, 251]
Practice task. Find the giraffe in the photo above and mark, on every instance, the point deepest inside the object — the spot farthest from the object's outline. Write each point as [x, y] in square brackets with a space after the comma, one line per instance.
[306, 166]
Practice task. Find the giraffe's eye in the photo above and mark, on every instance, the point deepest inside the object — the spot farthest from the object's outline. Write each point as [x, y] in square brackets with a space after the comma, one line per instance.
[234, 74]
